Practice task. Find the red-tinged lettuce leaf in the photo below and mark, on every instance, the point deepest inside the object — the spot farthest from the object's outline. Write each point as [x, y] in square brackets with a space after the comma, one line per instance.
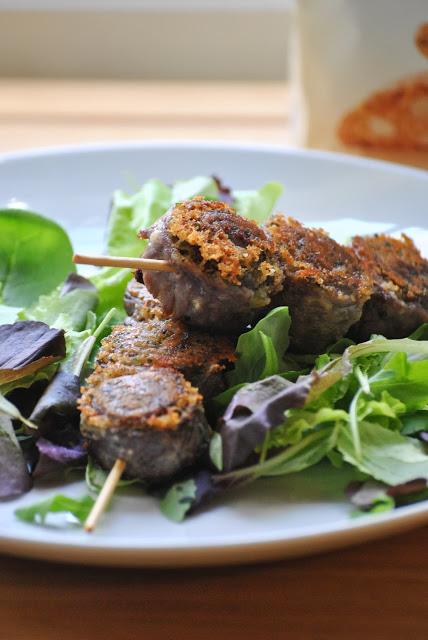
[375, 497]
[255, 410]
[57, 408]
[54, 458]
[75, 281]
[185, 497]
[28, 346]
[14, 476]
[224, 193]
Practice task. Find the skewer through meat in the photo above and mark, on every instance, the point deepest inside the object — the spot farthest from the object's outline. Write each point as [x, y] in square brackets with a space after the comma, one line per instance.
[153, 340]
[152, 420]
[226, 269]
[141, 404]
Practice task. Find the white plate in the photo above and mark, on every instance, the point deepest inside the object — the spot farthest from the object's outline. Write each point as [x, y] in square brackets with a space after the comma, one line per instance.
[293, 515]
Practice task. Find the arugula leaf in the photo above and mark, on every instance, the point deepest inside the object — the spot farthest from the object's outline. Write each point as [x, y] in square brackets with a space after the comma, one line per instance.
[179, 500]
[35, 256]
[95, 477]
[56, 411]
[38, 512]
[257, 205]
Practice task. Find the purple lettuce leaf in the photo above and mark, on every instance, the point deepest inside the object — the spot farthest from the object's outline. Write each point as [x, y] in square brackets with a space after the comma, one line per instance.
[27, 346]
[14, 476]
[57, 407]
[54, 458]
[256, 409]
[225, 193]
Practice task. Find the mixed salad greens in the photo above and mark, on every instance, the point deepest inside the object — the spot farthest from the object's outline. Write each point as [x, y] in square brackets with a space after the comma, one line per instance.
[359, 405]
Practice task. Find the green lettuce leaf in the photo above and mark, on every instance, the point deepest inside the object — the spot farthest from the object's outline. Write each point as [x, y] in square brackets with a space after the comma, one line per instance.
[35, 256]
[257, 205]
[95, 477]
[37, 513]
[309, 451]
[198, 186]
[68, 312]
[111, 284]
[130, 214]
[178, 500]
[261, 350]
[386, 455]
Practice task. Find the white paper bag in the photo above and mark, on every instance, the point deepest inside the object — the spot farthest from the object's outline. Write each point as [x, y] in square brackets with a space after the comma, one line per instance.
[364, 74]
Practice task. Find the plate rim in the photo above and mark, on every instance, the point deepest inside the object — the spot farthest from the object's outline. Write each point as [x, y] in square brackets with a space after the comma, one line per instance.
[222, 145]
[231, 549]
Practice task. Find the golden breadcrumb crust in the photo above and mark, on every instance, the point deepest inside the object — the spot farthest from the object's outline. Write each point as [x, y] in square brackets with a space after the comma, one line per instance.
[218, 238]
[396, 265]
[311, 256]
[165, 417]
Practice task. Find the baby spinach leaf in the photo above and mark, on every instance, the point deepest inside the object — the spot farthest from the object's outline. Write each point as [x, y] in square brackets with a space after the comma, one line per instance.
[261, 350]
[35, 256]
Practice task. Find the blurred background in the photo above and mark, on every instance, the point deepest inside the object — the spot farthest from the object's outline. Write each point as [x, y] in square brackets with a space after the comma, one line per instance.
[79, 70]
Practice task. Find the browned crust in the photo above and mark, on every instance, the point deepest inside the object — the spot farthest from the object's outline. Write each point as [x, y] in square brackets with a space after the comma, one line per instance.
[131, 412]
[310, 257]
[140, 304]
[396, 265]
[217, 238]
[399, 113]
[165, 344]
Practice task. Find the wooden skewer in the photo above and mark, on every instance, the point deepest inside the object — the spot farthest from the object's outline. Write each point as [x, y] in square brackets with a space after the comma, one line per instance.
[105, 495]
[145, 264]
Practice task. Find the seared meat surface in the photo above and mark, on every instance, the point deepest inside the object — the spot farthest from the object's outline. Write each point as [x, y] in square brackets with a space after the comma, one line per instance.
[399, 303]
[163, 342]
[153, 420]
[226, 267]
[325, 287]
[140, 304]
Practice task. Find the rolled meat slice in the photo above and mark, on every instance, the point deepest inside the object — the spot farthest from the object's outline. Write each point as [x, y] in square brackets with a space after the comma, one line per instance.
[226, 267]
[325, 286]
[399, 303]
[153, 340]
[152, 420]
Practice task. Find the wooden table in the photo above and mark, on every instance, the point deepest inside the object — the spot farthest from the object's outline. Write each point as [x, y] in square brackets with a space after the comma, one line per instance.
[375, 591]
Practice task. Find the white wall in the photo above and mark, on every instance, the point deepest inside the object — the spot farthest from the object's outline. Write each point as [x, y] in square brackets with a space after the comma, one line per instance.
[237, 40]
